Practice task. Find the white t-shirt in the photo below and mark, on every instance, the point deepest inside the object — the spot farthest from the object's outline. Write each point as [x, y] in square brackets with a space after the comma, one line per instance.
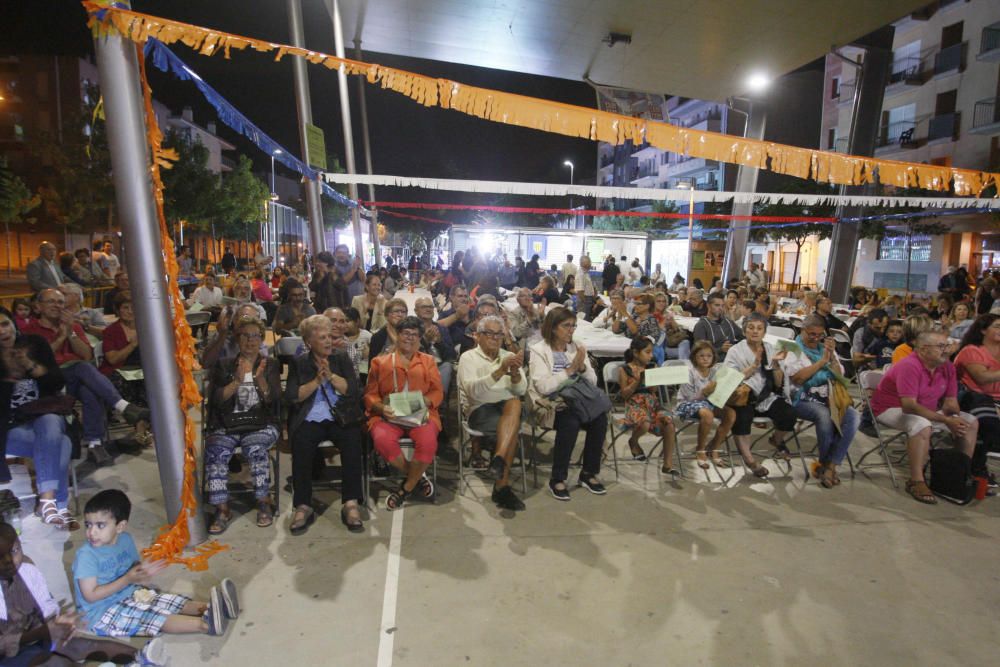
[568, 269]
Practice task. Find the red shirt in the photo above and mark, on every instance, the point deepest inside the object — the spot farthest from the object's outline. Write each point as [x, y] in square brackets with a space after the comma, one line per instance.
[114, 339]
[975, 354]
[64, 353]
[911, 379]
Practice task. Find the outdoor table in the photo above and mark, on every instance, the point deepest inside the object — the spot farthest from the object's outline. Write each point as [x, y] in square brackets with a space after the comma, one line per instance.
[600, 342]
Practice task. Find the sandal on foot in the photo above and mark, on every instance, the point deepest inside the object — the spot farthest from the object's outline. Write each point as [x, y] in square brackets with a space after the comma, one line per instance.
[69, 520]
[702, 460]
[265, 514]
[425, 487]
[921, 492]
[49, 513]
[397, 498]
[758, 470]
[718, 461]
[636, 450]
[303, 518]
[478, 462]
[825, 475]
[220, 522]
[670, 470]
[353, 523]
[781, 452]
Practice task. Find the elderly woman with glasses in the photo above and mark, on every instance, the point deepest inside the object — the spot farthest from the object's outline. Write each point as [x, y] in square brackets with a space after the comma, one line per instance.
[817, 395]
[384, 340]
[323, 391]
[245, 391]
[554, 360]
[761, 393]
[405, 372]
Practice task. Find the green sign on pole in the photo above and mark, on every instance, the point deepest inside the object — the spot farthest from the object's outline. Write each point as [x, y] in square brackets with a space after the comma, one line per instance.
[317, 146]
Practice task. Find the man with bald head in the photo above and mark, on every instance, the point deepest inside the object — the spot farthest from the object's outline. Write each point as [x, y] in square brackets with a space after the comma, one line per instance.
[44, 272]
[436, 340]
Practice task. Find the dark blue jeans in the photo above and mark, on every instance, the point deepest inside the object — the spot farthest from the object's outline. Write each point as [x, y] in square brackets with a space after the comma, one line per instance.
[85, 383]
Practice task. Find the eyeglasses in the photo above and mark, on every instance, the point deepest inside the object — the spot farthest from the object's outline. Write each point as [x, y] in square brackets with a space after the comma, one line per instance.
[397, 311]
[491, 334]
[250, 337]
[568, 325]
[423, 307]
[409, 333]
[939, 346]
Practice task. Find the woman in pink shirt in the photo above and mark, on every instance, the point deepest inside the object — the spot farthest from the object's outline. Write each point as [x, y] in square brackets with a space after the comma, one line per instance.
[978, 366]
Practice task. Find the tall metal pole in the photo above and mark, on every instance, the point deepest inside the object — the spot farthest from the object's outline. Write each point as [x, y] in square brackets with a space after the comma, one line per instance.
[366, 141]
[746, 181]
[345, 120]
[303, 106]
[124, 110]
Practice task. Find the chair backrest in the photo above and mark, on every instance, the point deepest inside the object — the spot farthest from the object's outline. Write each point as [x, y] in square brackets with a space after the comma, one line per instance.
[781, 332]
[610, 374]
[98, 352]
[287, 345]
[870, 379]
[840, 336]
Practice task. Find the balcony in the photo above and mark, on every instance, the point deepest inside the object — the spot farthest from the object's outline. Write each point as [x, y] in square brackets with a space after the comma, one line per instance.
[897, 136]
[986, 117]
[943, 127]
[686, 166]
[645, 176]
[840, 146]
[906, 71]
[950, 60]
[989, 45]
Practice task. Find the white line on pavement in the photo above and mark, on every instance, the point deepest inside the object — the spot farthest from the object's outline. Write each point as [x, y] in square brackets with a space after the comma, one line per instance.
[387, 631]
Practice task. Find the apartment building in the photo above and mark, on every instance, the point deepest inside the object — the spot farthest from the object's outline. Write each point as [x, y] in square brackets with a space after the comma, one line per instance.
[940, 107]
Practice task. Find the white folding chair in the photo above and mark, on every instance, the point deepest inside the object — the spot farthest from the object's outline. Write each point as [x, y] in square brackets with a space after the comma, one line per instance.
[885, 435]
[609, 375]
[467, 433]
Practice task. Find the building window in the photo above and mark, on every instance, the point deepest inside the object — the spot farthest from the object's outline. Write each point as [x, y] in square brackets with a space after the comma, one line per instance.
[893, 248]
[835, 88]
[831, 138]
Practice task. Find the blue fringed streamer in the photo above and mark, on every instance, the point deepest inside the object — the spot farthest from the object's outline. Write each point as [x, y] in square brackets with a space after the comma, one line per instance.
[165, 61]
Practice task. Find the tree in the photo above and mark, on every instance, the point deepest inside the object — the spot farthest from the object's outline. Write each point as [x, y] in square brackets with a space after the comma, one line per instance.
[240, 201]
[190, 188]
[76, 188]
[797, 233]
[16, 201]
[628, 223]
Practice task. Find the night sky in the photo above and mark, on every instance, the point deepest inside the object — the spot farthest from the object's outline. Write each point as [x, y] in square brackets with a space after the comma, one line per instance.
[407, 138]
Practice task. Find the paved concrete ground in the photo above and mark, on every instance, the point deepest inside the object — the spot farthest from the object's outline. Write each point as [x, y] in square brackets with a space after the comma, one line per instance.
[654, 573]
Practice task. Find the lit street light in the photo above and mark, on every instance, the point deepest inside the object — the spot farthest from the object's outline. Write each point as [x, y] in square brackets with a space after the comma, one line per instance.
[274, 194]
[567, 163]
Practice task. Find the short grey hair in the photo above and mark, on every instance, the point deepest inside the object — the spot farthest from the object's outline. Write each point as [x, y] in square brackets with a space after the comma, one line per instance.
[312, 324]
[71, 288]
[489, 319]
[695, 291]
[754, 317]
[814, 320]
[924, 335]
[617, 293]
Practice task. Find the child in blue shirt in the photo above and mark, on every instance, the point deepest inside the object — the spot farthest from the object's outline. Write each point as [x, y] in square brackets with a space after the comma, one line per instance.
[109, 580]
[884, 346]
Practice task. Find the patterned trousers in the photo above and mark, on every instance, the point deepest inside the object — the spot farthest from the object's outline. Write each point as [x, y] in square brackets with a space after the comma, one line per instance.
[219, 448]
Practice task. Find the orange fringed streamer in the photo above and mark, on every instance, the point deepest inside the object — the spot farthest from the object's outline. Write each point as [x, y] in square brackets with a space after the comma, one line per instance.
[169, 545]
[566, 119]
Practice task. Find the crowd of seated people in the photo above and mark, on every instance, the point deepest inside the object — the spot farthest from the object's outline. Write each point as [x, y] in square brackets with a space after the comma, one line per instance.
[365, 346]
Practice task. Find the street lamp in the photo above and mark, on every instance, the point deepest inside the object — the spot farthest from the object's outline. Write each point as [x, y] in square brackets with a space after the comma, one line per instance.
[274, 196]
[567, 163]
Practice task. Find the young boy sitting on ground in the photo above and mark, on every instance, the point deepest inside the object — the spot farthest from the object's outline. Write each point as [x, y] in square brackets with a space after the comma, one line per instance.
[33, 632]
[109, 582]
